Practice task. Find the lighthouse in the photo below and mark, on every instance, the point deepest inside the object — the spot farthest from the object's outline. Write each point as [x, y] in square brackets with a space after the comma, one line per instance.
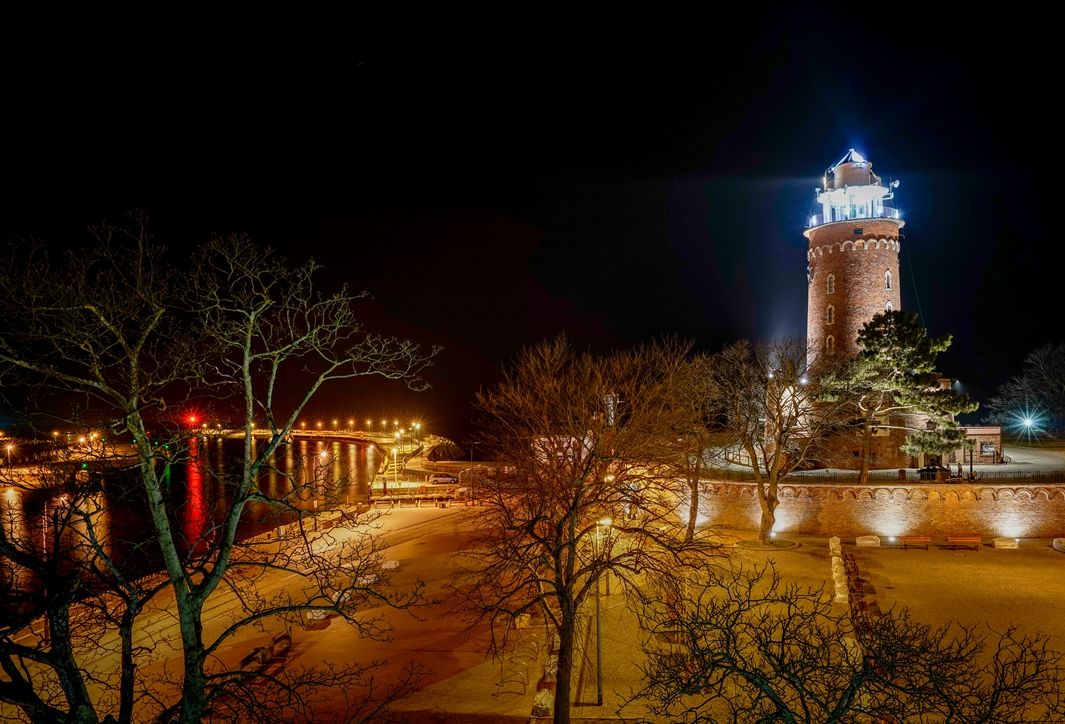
[853, 256]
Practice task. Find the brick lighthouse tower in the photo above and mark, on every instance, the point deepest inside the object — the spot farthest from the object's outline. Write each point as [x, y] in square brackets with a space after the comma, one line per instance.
[853, 259]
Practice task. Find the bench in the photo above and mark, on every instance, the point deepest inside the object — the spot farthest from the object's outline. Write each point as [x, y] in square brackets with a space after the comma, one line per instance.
[256, 660]
[281, 645]
[915, 540]
[967, 541]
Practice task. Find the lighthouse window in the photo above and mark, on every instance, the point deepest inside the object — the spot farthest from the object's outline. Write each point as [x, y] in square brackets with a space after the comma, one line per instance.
[830, 314]
[830, 284]
[887, 280]
[830, 344]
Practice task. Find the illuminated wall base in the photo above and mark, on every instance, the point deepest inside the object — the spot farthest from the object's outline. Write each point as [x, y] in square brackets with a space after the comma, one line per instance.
[1028, 511]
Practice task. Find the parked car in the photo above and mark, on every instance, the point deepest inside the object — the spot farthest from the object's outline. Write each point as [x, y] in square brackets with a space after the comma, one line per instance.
[443, 479]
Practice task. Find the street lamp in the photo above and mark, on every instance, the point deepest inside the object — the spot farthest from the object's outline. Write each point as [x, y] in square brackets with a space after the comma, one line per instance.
[395, 460]
[351, 423]
[417, 430]
[599, 526]
[9, 447]
[335, 421]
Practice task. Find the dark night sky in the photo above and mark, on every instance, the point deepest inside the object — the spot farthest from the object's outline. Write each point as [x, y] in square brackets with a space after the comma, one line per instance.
[496, 180]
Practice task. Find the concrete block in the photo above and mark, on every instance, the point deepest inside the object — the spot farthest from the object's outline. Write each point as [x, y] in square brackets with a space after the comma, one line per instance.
[1059, 544]
[1006, 543]
[543, 703]
[864, 541]
[389, 565]
[551, 668]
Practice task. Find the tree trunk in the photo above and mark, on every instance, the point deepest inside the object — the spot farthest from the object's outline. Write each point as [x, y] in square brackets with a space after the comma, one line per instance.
[767, 500]
[194, 685]
[863, 472]
[66, 667]
[693, 510]
[565, 667]
[127, 680]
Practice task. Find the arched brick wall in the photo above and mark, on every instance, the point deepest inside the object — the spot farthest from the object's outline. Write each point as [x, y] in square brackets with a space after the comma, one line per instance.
[1028, 511]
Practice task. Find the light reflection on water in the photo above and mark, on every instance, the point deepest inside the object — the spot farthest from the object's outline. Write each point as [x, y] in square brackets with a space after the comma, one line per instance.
[306, 475]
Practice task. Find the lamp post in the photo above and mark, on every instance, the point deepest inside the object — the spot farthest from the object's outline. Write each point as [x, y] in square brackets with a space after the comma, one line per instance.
[417, 431]
[603, 523]
[395, 461]
[971, 444]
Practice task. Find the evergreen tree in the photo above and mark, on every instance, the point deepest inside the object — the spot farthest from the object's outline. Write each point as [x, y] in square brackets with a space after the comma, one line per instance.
[893, 383]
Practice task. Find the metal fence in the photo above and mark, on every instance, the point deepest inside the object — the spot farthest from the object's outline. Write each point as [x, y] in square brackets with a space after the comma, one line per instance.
[1005, 477]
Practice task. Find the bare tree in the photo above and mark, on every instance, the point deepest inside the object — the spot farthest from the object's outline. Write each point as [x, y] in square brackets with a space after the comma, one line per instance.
[576, 494]
[689, 422]
[1036, 396]
[732, 644]
[772, 407]
[110, 325]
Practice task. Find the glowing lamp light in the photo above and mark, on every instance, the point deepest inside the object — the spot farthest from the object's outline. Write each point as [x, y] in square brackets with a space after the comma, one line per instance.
[606, 522]
[192, 419]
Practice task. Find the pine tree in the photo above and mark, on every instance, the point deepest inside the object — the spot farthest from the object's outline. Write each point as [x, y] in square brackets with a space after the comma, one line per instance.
[893, 383]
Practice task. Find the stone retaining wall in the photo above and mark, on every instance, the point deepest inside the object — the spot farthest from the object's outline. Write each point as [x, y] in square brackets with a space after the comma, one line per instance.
[938, 509]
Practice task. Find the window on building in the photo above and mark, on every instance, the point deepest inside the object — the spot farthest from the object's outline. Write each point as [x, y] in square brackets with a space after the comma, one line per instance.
[830, 314]
[887, 306]
[830, 284]
[887, 280]
[830, 344]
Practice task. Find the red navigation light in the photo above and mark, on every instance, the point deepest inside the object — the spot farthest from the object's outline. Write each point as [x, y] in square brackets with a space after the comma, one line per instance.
[192, 418]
